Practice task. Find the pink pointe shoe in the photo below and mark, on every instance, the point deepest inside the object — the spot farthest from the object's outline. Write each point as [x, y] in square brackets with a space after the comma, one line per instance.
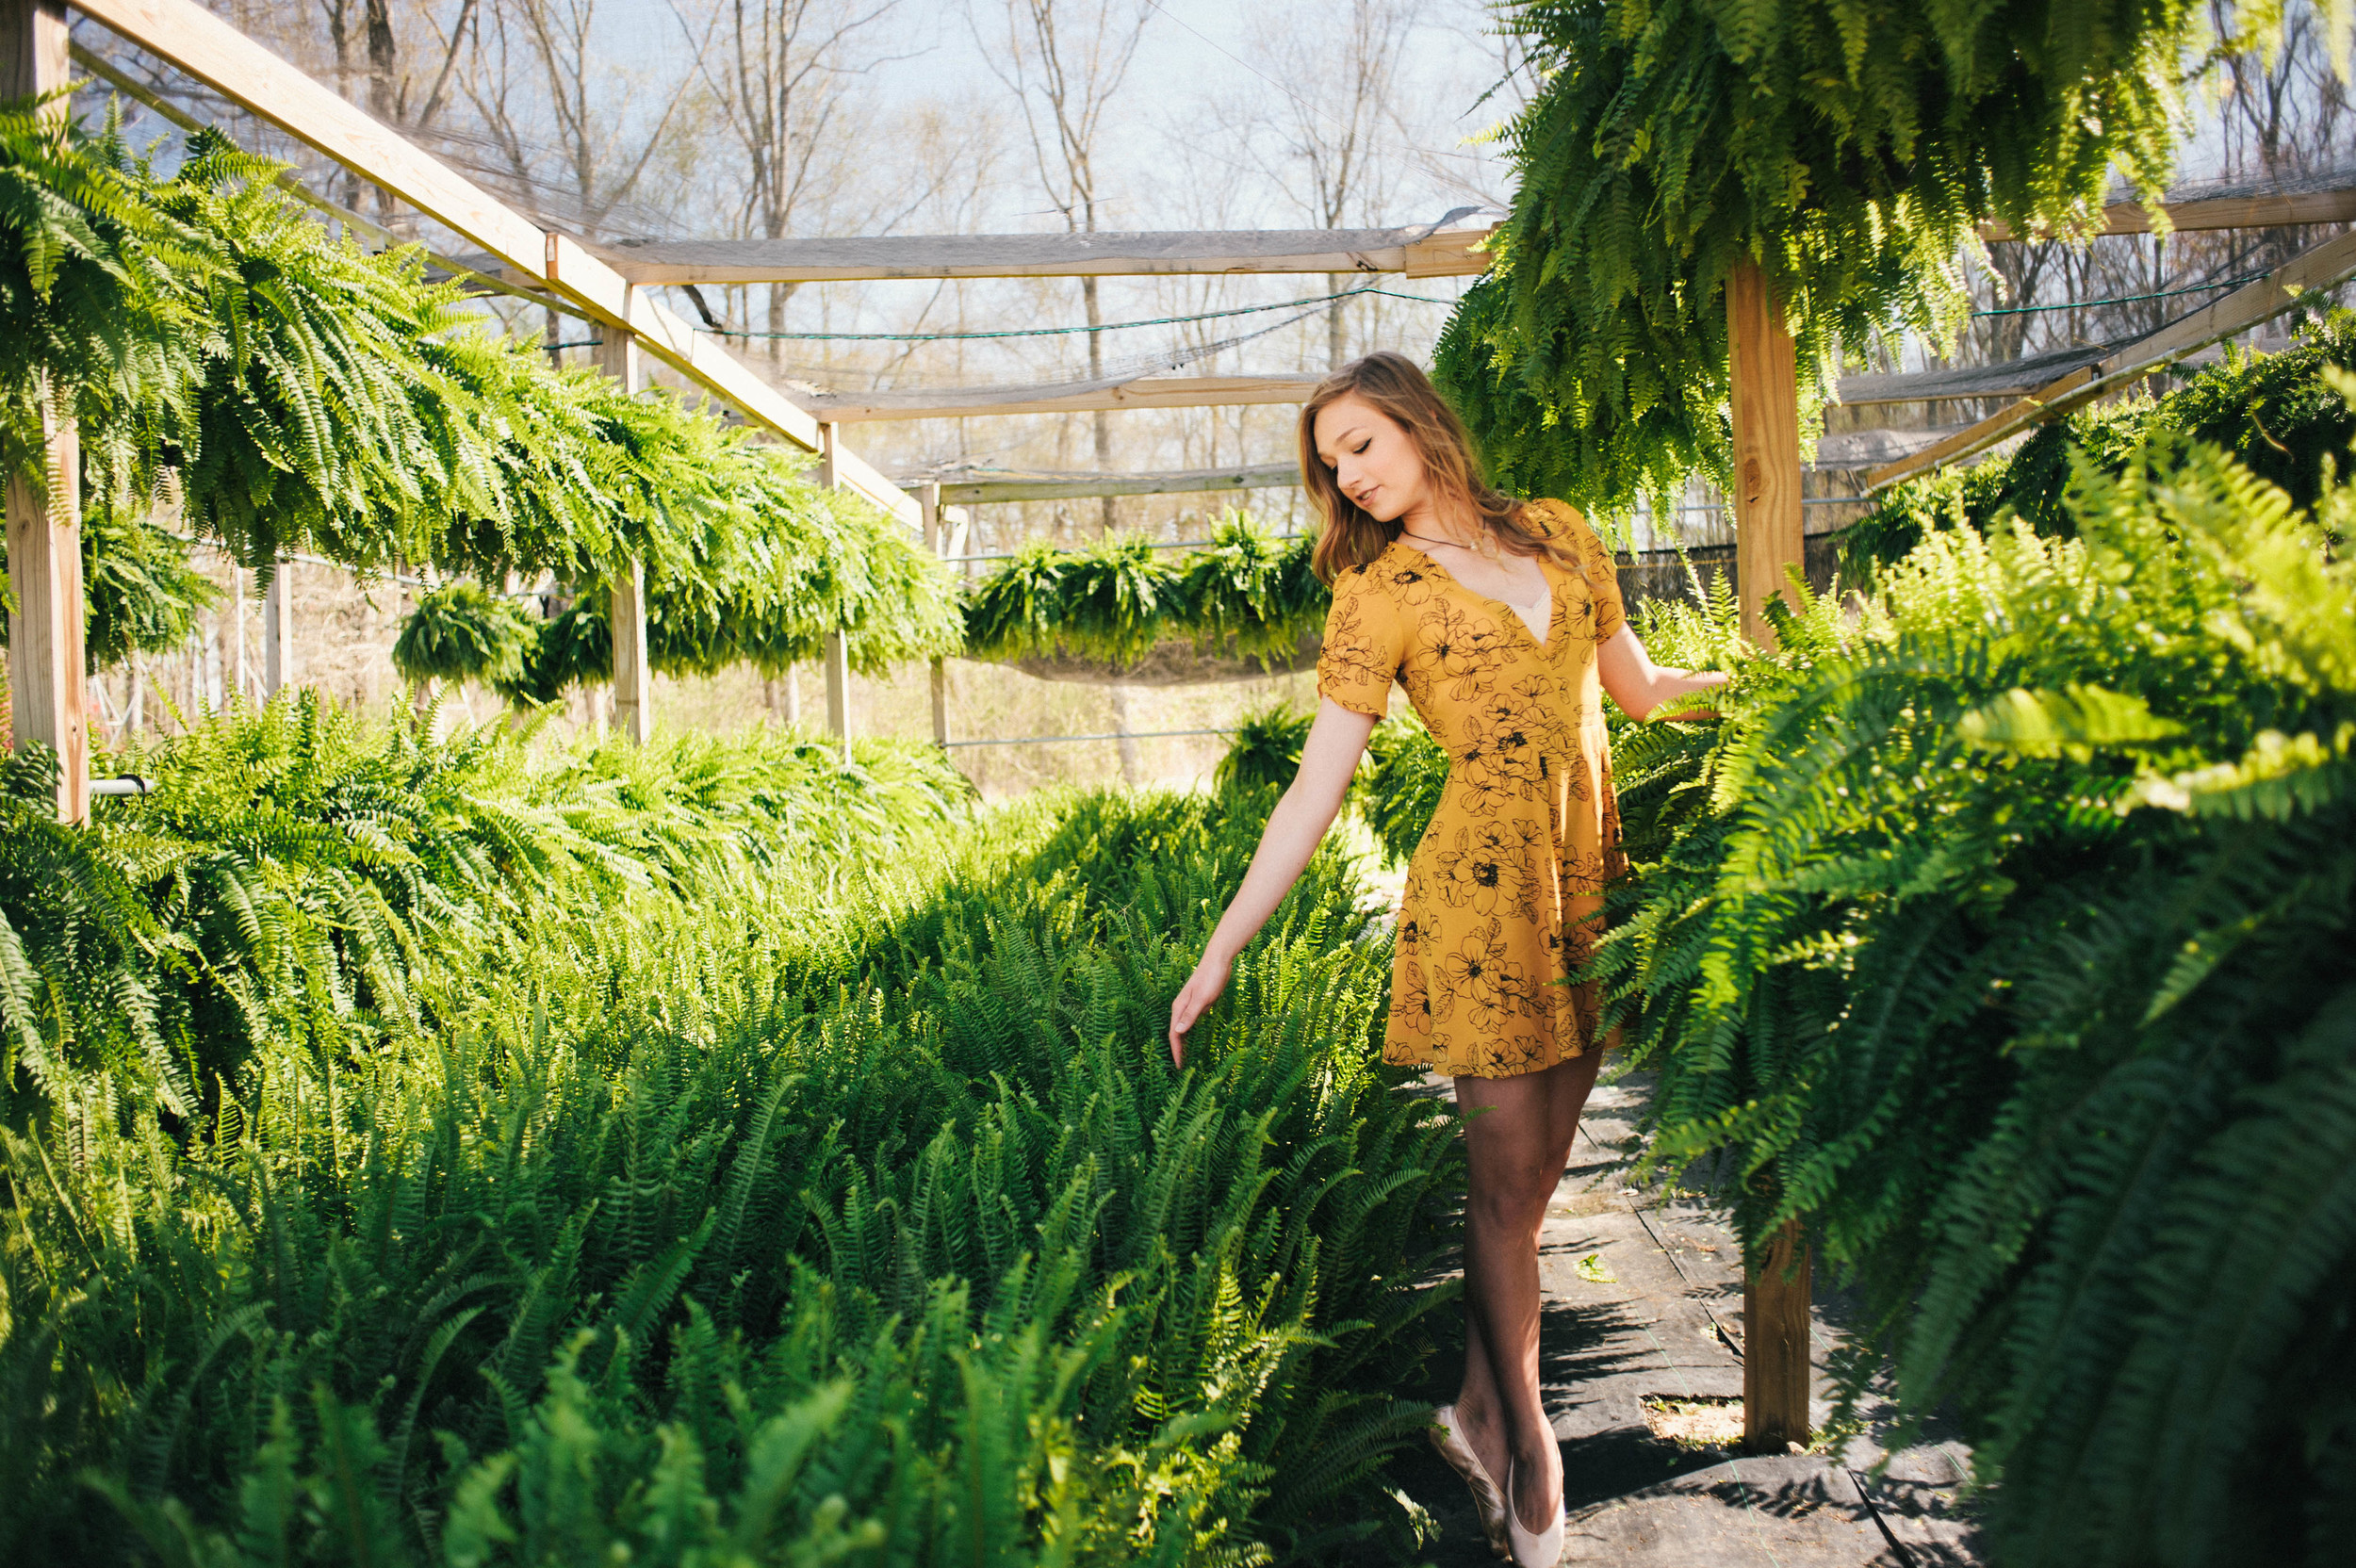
[1488, 1500]
[1543, 1550]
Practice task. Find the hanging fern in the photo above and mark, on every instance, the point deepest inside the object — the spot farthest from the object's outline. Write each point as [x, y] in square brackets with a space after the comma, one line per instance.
[305, 394]
[1245, 594]
[1848, 148]
[462, 631]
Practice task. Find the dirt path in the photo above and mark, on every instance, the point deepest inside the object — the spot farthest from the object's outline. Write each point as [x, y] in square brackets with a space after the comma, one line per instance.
[1642, 1368]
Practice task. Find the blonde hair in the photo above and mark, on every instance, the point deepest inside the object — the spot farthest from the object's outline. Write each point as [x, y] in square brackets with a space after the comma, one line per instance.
[1397, 387]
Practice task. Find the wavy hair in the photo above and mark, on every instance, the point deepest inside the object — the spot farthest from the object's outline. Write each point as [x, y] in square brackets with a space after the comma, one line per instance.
[1398, 389]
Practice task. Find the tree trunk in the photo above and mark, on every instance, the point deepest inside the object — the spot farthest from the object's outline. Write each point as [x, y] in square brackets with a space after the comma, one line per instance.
[1336, 333]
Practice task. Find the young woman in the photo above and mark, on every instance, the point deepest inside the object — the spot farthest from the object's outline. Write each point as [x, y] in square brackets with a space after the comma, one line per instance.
[1502, 620]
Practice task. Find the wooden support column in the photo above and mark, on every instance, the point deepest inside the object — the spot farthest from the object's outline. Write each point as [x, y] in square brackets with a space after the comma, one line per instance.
[47, 688]
[1764, 378]
[1776, 1346]
[930, 497]
[1765, 393]
[838, 651]
[278, 630]
[618, 355]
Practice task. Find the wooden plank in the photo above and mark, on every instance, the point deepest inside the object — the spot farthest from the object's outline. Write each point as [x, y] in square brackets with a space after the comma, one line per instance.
[930, 497]
[1765, 395]
[977, 403]
[215, 53]
[835, 659]
[192, 39]
[618, 355]
[1262, 476]
[1414, 252]
[2320, 267]
[2324, 266]
[2228, 212]
[1776, 1289]
[45, 679]
[48, 691]
[1973, 436]
[278, 630]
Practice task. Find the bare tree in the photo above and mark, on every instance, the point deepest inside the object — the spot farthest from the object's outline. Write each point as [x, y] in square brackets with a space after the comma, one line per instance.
[781, 79]
[1064, 64]
[1331, 135]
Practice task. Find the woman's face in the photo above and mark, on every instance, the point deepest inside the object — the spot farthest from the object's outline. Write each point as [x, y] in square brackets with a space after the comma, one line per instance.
[1374, 460]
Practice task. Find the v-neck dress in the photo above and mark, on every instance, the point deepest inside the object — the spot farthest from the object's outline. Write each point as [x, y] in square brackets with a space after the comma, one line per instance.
[1504, 896]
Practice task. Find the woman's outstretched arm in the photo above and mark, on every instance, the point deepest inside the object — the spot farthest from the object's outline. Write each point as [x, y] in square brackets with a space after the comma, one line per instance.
[1337, 740]
[1639, 685]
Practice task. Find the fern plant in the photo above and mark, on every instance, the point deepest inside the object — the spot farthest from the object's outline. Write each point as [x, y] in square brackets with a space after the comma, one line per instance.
[2003, 937]
[305, 395]
[880, 1227]
[1848, 150]
[462, 631]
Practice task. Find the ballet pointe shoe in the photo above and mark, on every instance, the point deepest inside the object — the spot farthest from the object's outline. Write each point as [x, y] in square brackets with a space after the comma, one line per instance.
[1543, 1550]
[1488, 1500]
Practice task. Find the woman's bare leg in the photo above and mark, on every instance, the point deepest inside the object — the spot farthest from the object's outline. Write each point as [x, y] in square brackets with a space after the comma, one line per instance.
[1515, 1148]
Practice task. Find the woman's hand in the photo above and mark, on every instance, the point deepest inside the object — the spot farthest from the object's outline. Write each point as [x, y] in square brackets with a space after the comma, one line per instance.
[1202, 989]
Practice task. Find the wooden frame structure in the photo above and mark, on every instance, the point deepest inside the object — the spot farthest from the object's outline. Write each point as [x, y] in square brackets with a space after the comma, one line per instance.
[1146, 391]
[1414, 252]
[1052, 487]
[2326, 265]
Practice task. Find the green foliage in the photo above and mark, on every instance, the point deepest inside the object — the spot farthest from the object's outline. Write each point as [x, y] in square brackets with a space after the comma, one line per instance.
[464, 632]
[1266, 752]
[1848, 148]
[752, 1230]
[2276, 414]
[1245, 594]
[311, 395]
[140, 593]
[1399, 788]
[2005, 935]
[301, 874]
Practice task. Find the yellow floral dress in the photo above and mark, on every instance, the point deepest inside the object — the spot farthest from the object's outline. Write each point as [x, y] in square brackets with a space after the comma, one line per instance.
[1504, 895]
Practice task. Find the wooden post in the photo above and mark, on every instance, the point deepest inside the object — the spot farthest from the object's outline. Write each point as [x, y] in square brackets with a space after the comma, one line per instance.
[1776, 1346]
[930, 497]
[838, 651]
[48, 690]
[1764, 378]
[278, 630]
[1765, 393]
[617, 354]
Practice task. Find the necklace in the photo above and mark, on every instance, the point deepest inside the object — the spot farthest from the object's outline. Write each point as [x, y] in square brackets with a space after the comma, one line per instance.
[1487, 549]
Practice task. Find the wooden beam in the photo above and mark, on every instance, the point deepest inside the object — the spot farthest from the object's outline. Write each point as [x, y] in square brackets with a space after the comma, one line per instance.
[975, 402]
[2224, 212]
[1415, 253]
[48, 690]
[2324, 266]
[278, 629]
[192, 39]
[1770, 536]
[928, 496]
[1765, 394]
[618, 355]
[1776, 1363]
[1262, 476]
[836, 656]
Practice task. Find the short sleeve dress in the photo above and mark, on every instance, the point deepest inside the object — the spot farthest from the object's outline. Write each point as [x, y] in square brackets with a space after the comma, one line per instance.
[1504, 895]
